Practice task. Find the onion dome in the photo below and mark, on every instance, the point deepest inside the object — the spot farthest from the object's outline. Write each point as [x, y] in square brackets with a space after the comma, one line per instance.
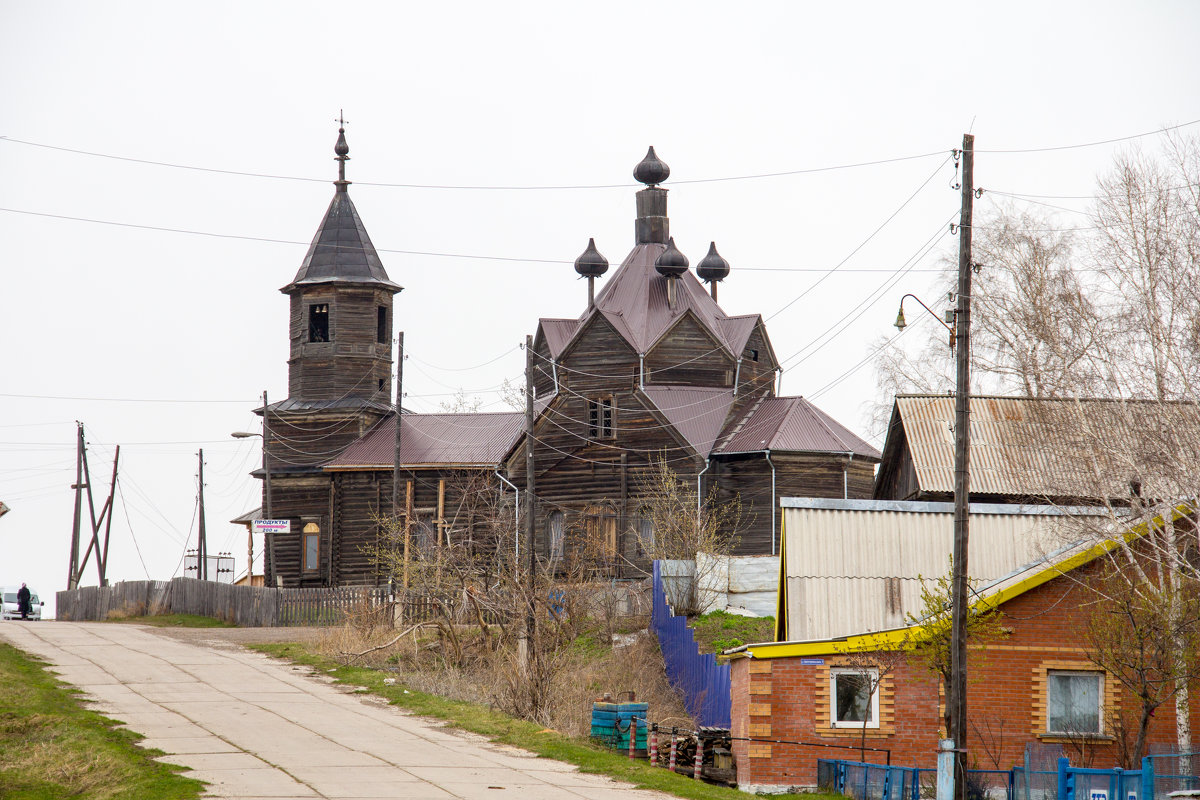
[591, 264]
[671, 263]
[651, 170]
[712, 267]
[341, 148]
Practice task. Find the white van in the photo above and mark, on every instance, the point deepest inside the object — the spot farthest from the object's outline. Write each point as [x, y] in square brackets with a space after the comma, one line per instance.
[12, 611]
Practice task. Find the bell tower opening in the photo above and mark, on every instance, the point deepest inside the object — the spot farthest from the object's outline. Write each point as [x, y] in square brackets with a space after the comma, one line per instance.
[318, 322]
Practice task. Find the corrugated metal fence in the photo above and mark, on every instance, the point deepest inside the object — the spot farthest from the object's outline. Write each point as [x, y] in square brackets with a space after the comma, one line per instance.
[703, 682]
[246, 606]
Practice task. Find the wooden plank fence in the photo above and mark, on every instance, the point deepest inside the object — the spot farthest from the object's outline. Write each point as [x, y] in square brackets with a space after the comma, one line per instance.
[245, 606]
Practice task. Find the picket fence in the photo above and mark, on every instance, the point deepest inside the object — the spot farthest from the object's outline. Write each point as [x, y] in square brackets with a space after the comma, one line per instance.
[704, 683]
[245, 606]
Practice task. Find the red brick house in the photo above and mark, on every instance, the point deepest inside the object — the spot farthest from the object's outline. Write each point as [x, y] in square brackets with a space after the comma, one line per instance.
[1020, 690]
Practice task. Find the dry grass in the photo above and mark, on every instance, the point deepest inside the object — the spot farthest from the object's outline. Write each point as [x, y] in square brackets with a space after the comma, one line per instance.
[584, 669]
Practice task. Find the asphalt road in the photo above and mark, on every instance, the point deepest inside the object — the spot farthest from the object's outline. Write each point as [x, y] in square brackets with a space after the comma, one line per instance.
[254, 727]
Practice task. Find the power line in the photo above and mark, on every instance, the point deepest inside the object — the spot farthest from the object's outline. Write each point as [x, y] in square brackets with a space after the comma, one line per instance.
[1154, 132]
[450, 187]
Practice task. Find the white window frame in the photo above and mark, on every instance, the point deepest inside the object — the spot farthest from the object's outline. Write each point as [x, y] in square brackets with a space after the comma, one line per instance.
[873, 707]
[1083, 673]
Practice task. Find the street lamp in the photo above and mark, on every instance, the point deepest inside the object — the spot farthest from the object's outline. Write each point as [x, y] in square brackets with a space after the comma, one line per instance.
[266, 462]
[901, 324]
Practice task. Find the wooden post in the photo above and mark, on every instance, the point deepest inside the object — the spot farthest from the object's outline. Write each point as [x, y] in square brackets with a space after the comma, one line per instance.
[957, 701]
[530, 577]
[396, 455]
[73, 568]
[441, 513]
[408, 512]
[202, 539]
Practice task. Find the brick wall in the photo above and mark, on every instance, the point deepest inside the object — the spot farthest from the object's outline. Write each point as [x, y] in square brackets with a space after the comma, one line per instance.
[788, 698]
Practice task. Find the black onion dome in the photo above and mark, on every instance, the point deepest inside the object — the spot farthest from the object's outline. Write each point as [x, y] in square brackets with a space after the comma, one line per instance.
[712, 267]
[651, 170]
[341, 148]
[591, 264]
[671, 262]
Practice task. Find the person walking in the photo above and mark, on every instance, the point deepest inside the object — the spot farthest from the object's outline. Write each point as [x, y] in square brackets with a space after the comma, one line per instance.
[23, 604]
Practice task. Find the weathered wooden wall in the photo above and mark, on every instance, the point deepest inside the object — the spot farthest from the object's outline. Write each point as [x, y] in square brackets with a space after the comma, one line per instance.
[352, 363]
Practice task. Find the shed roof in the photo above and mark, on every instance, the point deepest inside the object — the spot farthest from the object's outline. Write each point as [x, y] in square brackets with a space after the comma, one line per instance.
[697, 414]
[792, 424]
[1043, 447]
[479, 439]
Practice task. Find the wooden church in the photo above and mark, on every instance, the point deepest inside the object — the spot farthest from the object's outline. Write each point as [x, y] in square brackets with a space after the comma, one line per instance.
[652, 368]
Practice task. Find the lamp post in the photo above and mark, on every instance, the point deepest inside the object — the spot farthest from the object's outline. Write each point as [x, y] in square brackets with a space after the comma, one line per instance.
[266, 462]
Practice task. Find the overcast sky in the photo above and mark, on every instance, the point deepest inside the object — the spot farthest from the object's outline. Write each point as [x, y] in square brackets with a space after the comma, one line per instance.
[159, 328]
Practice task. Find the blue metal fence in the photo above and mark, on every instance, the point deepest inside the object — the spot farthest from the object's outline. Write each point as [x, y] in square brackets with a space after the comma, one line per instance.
[703, 682]
[1159, 776]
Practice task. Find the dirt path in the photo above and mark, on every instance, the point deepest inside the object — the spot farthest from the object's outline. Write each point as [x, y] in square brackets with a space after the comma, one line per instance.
[254, 727]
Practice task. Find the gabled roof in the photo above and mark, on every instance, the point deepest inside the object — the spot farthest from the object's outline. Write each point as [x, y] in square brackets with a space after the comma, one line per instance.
[434, 440]
[634, 301]
[697, 414]
[341, 251]
[1041, 447]
[792, 424]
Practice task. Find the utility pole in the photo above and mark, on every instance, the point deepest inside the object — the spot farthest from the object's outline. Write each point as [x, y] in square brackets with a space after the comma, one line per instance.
[202, 550]
[531, 573]
[396, 459]
[268, 538]
[957, 701]
[78, 486]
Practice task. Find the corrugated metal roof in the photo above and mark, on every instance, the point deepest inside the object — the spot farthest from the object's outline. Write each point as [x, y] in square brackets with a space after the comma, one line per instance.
[793, 424]
[1049, 447]
[558, 333]
[634, 302]
[433, 439]
[347, 403]
[341, 250]
[855, 567]
[697, 414]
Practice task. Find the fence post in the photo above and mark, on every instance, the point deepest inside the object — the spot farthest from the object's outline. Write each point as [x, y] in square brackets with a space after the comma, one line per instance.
[654, 745]
[1147, 778]
[632, 736]
[1064, 782]
[1115, 784]
[671, 761]
[698, 767]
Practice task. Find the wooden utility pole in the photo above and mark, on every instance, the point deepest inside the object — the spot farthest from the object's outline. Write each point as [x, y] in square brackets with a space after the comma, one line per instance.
[202, 550]
[531, 572]
[957, 701]
[78, 486]
[83, 483]
[396, 457]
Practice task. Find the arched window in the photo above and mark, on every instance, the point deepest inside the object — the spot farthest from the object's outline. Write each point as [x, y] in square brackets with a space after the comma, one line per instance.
[312, 547]
[554, 536]
[645, 531]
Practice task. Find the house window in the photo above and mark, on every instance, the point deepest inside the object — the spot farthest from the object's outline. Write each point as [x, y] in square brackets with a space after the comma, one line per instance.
[600, 418]
[645, 530]
[381, 326]
[855, 696]
[318, 323]
[554, 536]
[312, 547]
[753, 354]
[1073, 702]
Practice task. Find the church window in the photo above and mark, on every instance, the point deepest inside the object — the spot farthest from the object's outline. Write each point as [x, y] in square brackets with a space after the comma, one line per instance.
[600, 418]
[753, 355]
[381, 326]
[381, 384]
[312, 547]
[555, 531]
[318, 323]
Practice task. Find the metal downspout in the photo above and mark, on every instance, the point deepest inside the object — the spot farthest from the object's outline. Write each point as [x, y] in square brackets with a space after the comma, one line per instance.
[554, 369]
[846, 476]
[699, 495]
[641, 370]
[516, 515]
[767, 453]
[737, 376]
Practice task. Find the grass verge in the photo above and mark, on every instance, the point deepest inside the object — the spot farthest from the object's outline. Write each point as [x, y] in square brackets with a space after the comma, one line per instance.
[176, 621]
[52, 747]
[502, 728]
[720, 630]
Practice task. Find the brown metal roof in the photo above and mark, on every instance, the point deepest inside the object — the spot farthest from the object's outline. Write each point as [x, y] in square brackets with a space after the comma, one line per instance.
[435, 439]
[697, 414]
[634, 302]
[1036, 447]
[793, 424]
[341, 251]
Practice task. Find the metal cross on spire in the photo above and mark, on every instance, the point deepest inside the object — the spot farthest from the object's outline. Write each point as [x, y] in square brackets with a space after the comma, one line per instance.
[342, 150]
